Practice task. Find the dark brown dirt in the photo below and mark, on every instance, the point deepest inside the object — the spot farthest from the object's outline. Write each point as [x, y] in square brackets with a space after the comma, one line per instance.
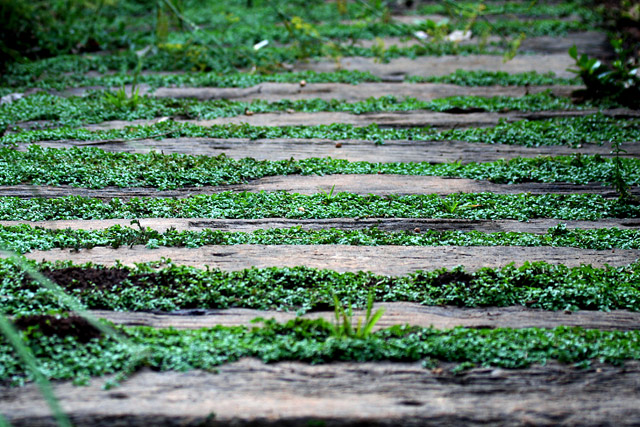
[47, 324]
[250, 393]
[83, 278]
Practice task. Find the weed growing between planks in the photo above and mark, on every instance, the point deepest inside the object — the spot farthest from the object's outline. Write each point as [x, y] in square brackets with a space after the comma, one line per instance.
[25, 353]
[619, 82]
[30, 365]
[244, 80]
[165, 286]
[95, 168]
[23, 238]
[344, 324]
[282, 204]
[570, 131]
[103, 106]
[191, 57]
[495, 78]
[583, 9]
[311, 341]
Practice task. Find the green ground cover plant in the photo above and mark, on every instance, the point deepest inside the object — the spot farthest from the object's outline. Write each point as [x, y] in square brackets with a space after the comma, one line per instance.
[536, 28]
[165, 286]
[196, 58]
[24, 238]
[95, 168]
[619, 81]
[207, 79]
[584, 10]
[571, 131]
[243, 205]
[24, 81]
[227, 45]
[501, 78]
[106, 105]
[311, 341]
[194, 36]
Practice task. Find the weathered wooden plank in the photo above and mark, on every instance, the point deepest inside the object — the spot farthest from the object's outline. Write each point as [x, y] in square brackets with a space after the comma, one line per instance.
[387, 119]
[310, 184]
[593, 43]
[416, 225]
[398, 68]
[395, 313]
[294, 91]
[388, 260]
[249, 392]
[352, 150]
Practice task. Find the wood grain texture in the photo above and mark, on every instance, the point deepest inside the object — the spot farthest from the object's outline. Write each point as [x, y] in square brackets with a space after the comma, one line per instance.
[385, 119]
[250, 393]
[352, 150]
[415, 225]
[310, 184]
[395, 313]
[387, 260]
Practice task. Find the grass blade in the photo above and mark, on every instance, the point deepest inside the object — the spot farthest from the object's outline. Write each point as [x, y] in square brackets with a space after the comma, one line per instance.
[24, 352]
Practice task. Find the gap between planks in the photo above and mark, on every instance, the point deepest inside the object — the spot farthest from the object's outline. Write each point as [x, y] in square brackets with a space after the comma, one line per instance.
[384, 260]
[381, 184]
[395, 313]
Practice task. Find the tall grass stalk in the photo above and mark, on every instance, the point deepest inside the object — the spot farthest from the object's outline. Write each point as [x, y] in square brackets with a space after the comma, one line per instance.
[64, 298]
[138, 352]
[30, 362]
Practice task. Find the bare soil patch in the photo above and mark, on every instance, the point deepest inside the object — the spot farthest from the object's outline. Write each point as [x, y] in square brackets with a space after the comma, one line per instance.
[387, 260]
[48, 324]
[249, 392]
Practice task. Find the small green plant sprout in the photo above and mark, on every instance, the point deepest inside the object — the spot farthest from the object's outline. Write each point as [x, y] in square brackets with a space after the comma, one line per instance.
[450, 206]
[330, 194]
[343, 327]
[31, 364]
[618, 179]
[379, 49]
[121, 101]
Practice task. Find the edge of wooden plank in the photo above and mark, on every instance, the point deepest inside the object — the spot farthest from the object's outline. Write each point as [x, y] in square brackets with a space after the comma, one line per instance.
[380, 184]
[395, 313]
[384, 260]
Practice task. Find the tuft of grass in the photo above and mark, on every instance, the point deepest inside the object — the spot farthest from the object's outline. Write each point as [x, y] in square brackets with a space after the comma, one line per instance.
[343, 326]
